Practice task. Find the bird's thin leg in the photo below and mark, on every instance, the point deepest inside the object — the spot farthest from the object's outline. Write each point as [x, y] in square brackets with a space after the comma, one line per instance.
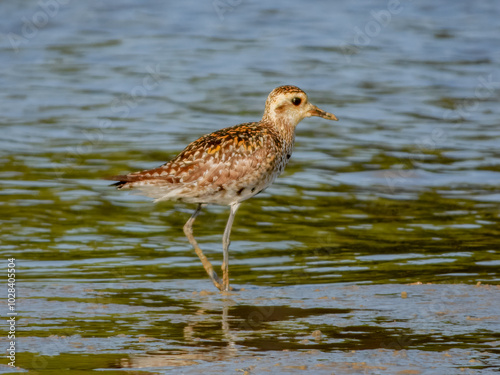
[188, 231]
[225, 245]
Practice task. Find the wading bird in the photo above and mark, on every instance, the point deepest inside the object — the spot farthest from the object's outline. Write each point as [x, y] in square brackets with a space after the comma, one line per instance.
[229, 166]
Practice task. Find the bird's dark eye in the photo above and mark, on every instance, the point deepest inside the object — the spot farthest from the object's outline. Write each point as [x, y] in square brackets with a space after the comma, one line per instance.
[296, 101]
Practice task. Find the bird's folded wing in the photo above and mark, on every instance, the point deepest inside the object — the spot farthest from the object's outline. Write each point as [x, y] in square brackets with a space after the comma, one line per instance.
[226, 155]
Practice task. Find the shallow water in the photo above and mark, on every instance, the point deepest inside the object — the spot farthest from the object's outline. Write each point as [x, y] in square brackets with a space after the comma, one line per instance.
[403, 189]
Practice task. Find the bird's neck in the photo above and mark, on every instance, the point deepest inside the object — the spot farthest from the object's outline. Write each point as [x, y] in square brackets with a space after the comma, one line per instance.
[284, 128]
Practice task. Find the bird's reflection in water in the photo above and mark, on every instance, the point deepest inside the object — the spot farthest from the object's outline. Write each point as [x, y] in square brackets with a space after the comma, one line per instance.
[199, 350]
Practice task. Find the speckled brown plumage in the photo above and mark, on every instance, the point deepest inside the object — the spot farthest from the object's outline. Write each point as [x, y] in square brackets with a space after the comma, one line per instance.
[221, 167]
[230, 165]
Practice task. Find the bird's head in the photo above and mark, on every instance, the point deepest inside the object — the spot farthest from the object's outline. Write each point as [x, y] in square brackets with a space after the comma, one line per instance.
[289, 105]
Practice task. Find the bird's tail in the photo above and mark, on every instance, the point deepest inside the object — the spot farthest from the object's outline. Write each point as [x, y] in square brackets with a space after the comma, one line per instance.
[122, 181]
